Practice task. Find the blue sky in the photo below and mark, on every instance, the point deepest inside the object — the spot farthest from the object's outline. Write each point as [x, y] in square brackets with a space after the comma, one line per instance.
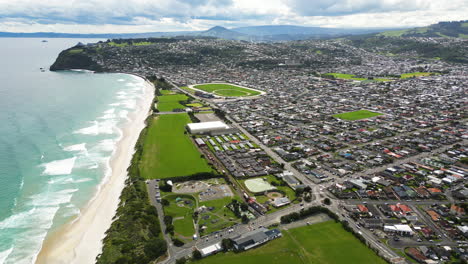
[119, 16]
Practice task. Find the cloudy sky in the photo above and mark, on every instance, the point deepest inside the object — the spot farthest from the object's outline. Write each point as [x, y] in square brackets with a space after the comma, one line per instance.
[125, 16]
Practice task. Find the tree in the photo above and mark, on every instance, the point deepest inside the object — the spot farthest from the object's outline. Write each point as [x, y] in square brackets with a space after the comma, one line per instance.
[177, 242]
[244, 207]
[181, 261]
[327, 201]
[196, 254]
[227, 244]
[155, 248]
[245, 219]
[167, 220]
[165, 202]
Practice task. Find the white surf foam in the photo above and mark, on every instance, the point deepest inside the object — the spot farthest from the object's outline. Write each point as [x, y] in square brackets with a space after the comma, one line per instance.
[121, 80]
[106, 145]
[123, 114]
[37, 217]
[52, 198]
[104, 127]
[81, 148]
[82, 180]
[59, 167]
[4, 255]
[91, 130]
[130, 104]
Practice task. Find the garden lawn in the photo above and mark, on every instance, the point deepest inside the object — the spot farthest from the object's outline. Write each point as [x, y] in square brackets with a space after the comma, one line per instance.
[227, 90]
[320, 243]
[357, 115]
[168, 152]
[167, 103]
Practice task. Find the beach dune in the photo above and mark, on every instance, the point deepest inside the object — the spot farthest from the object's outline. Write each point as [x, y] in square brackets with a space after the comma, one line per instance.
[81, 240]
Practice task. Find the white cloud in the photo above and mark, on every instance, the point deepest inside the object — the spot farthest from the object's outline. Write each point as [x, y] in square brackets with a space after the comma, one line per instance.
[101, 16]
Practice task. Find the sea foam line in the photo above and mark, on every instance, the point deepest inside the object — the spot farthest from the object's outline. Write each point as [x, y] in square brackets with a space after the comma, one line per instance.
[59, 167]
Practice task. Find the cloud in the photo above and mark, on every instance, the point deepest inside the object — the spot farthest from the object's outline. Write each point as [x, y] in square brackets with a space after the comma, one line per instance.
[171, 15]
[347, 7]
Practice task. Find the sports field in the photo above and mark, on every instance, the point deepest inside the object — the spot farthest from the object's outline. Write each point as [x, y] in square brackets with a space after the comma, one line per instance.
[321, 243]
[222, 89]
[168, 152]
[167, 103]
[258, 185]
[357, 115]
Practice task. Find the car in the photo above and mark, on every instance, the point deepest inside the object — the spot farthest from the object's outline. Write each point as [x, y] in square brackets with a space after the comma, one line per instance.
[419, 240]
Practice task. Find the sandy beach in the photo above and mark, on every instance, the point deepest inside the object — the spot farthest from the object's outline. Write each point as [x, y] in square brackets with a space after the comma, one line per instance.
[81, 240]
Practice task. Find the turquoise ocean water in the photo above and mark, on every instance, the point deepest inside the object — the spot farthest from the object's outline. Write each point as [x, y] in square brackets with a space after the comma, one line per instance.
[57, 133]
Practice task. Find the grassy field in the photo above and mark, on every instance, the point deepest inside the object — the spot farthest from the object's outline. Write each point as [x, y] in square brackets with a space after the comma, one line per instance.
[345, 76]
[351, 77]
[222, 215]
[321, 243]
[166, 147]
[167, 103]
[75, 51]
[166, 92]
[414, 74]
[125, 44]
[218, 218]
[227, 90]
[357, 115]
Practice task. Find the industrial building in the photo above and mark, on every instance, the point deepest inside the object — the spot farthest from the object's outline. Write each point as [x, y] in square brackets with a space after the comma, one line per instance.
[254, 238]
[207, 127]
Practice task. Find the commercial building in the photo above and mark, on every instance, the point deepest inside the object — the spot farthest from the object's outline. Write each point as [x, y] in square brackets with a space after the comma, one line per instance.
[404, 230]
[254, 238]
[207, 127]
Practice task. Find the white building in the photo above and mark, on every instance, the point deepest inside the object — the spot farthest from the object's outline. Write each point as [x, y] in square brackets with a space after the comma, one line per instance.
[404, 230]
[206, 127]
[210, 250]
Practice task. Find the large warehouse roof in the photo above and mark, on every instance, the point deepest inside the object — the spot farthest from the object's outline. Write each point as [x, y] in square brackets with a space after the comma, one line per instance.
[205, 126]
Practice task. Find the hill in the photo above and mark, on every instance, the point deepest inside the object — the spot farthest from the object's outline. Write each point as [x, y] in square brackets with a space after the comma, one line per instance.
[455, 29]
[255, 33]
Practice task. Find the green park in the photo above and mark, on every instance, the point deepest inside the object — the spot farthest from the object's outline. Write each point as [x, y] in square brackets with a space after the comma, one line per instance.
[357, 115]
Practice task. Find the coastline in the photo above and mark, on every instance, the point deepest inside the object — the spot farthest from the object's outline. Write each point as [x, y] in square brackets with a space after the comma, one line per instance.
[80, 241]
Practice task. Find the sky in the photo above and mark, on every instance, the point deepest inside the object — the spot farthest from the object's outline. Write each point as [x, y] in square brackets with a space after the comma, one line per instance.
[132, 16]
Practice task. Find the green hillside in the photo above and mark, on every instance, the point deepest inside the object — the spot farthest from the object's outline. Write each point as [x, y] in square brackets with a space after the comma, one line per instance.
[456, 29]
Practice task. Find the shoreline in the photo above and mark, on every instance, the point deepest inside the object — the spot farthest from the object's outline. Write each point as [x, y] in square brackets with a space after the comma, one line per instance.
[80, 240]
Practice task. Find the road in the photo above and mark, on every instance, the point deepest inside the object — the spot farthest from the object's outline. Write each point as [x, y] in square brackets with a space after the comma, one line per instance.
[151, 186]
[273, 218]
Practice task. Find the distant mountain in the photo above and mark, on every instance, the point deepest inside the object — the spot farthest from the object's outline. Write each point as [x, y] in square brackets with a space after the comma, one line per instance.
[455, 29]
[298, 30]
[223, 33]
[273, 33]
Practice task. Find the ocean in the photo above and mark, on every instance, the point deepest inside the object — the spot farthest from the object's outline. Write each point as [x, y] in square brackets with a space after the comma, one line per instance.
[58, 131]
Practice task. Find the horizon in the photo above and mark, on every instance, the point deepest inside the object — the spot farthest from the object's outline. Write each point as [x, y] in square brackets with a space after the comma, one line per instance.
[138, 16]
[207, 29]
